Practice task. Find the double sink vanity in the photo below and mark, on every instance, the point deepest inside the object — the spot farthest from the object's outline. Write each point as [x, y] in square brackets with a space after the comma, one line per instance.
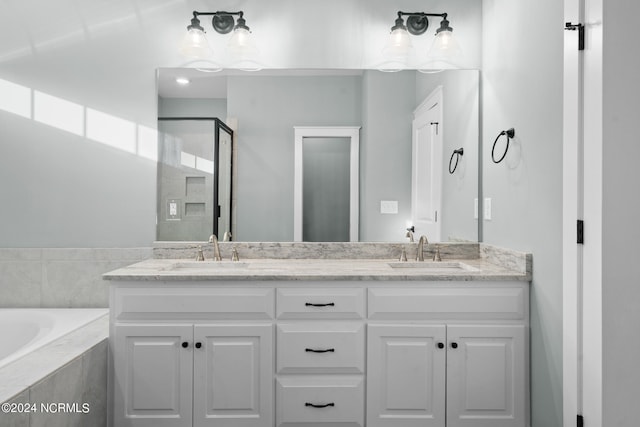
[321, 335]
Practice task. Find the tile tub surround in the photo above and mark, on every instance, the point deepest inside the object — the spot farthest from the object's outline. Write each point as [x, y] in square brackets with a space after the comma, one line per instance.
[60, 277]
[71, 369]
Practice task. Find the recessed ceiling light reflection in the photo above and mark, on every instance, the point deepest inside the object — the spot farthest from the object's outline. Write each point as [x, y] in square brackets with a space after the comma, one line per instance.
[182, 81]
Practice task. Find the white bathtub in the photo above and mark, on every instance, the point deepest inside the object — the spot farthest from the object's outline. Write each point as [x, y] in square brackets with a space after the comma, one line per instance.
[23, 330]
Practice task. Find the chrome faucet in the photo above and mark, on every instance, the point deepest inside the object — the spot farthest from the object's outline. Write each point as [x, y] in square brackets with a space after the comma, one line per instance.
[216, 249]
[421, 242]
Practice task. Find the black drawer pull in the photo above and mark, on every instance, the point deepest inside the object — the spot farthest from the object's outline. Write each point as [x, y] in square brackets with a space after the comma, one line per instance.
[329, 304]
[328, 350]
[313, 405]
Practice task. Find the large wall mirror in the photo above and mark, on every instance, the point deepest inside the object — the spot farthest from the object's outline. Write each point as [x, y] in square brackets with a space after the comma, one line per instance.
[264, 108]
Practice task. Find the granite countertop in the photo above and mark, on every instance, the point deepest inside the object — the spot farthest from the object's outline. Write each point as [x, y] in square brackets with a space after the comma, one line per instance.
[479, 269]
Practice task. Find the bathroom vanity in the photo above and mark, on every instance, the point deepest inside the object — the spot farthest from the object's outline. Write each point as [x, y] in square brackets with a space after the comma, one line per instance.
[311, 342]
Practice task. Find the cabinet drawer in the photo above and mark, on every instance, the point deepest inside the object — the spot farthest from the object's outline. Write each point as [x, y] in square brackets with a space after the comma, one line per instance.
[193, 303]
[320, 303]
[448, 302]
[320, 400]
[320, 347]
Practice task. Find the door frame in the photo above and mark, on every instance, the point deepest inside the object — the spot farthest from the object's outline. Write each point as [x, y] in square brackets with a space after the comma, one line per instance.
[582, 264]
[351, 132]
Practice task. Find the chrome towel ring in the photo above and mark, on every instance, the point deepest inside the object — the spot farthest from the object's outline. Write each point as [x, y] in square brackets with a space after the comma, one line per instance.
[459, 152]
[510, 134]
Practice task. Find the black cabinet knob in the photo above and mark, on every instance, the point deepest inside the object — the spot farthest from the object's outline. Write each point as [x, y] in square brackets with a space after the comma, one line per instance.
[454, 345]
[198, 345]
[440, 345]
[185, 344]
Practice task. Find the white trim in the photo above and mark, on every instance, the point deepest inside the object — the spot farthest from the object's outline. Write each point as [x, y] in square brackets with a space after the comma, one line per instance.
[352, 132]
[582, 194]
[572, 211]
[593, 184]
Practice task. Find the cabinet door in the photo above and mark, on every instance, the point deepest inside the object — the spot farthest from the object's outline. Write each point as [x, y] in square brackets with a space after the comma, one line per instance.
[486, 383]
[153, 375]
[406, 376]
[233, 381]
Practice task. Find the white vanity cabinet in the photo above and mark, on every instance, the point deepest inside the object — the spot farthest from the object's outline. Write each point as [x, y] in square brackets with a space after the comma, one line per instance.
[447, 356]
[192, 366]
[320, 353]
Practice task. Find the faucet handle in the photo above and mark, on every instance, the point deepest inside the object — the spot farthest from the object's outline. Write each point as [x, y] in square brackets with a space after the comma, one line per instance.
[436, 255]
[234, 255]
[200, 254]
[403, 255]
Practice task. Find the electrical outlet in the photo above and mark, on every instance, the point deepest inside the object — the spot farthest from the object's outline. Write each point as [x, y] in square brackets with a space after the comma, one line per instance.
[487, 209]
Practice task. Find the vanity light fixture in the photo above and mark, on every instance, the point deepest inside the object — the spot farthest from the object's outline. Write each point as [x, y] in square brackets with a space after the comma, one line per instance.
[241, 45]
[443, 48]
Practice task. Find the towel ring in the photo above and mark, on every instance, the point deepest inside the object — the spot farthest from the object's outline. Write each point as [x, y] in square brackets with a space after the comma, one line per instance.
[510, 134]
[459, 152]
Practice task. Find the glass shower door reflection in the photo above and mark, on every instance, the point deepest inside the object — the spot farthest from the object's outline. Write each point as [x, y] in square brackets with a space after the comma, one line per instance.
[189, 168]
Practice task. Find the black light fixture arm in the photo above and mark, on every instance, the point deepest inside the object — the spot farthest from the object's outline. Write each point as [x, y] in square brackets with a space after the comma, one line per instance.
[418, 22]
[222, 21]
[420, 14]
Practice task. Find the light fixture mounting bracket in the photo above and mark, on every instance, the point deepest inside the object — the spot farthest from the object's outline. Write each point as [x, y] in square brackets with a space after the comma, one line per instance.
[223, 24]
[417, 25]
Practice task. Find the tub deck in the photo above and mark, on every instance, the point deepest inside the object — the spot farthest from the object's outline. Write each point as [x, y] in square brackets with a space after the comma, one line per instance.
[33, 367]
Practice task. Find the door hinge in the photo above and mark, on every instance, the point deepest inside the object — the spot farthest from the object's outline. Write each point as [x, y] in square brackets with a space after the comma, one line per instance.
[580, 421]
[580, 28]
[580, 232]
[435, 123]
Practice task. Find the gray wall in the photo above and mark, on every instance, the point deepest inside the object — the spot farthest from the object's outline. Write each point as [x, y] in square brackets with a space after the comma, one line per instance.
[265, 142]
[385, 154]
[69, 190]
[620, 213]
[461, 102]
[522, 88]
[192, 107]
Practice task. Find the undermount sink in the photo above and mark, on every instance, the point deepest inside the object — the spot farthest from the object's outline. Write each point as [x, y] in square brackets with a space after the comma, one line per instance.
[446, 266]
[206, 265]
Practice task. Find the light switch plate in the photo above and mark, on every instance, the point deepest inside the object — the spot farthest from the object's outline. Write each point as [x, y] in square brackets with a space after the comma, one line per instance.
[487, 208]
[388, 206]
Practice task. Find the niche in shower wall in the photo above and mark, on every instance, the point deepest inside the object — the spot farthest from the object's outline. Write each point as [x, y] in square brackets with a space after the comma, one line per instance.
[194, 178]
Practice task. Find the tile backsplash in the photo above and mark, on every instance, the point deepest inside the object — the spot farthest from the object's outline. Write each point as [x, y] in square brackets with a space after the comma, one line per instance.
[61, 277]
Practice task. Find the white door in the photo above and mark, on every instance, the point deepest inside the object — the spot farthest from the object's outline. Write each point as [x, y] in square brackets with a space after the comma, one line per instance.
[233, 375]
[486, 384]
[406, 376]
[153, 369]
[426, 169]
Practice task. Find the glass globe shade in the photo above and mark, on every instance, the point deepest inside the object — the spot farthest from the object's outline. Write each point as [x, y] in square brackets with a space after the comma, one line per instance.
[195, 44]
